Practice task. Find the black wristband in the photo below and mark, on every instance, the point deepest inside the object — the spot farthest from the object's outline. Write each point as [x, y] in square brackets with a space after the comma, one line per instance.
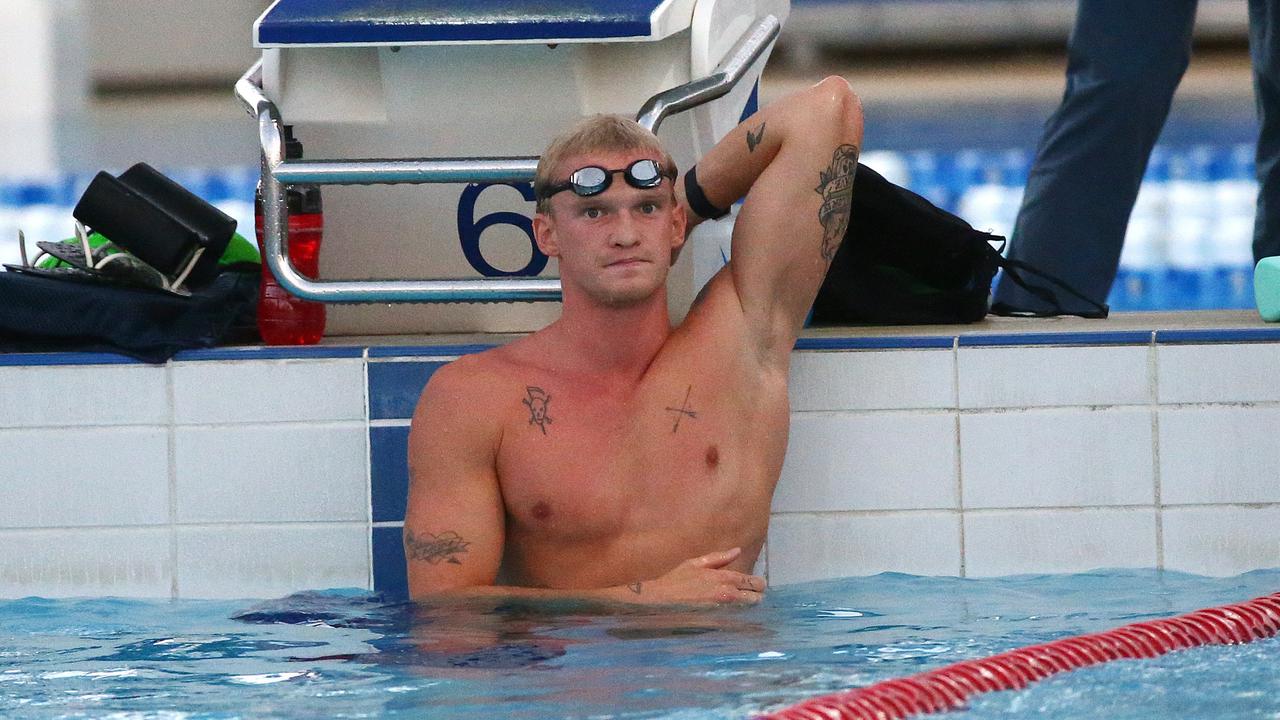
[697, 199]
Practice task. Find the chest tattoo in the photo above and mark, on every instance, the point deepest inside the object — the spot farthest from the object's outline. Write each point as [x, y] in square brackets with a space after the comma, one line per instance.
[683, 411]
[538, 402]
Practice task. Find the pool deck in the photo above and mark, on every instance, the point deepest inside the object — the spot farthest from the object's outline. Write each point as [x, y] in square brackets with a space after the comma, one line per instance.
[1123, 328]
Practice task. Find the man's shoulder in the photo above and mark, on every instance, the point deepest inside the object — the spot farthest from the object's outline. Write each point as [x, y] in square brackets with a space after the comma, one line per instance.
[469, 373]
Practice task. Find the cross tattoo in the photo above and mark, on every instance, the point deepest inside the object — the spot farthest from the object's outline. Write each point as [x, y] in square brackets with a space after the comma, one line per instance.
[683, 410]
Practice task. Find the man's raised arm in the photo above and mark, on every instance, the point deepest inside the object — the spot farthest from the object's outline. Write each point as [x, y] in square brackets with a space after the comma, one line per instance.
[795, 162]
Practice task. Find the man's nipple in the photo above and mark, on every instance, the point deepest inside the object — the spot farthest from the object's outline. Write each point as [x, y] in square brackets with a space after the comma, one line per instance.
[541, 510]
[713, 457]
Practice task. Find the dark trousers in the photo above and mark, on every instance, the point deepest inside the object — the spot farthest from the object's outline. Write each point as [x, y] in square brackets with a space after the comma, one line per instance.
[1125, 60]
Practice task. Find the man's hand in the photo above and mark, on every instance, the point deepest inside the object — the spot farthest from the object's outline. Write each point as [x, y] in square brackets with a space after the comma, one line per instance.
[702, 581]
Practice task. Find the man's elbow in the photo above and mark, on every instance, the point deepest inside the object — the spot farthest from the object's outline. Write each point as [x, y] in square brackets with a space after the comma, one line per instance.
[835, 102]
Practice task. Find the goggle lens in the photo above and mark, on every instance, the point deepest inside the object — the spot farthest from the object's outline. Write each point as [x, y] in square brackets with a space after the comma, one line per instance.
[593, 180]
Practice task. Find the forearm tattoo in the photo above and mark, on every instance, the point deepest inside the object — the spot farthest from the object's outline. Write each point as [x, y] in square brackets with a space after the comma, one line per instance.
[753, 139]
[836, 189]
[446, 546]
[538, 402]
[683, 411]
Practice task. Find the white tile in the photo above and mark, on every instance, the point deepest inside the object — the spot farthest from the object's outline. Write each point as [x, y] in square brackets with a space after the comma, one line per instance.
[83, 395]
[268, 391]
[85, 563]
[1221, 540]
[873, 380]
[270, 561]
[1057, 458]
[84, 476]
[1058, 541]
[880, 461]
[1044, 376]
[1220, 454]
[761, 567]
[1244, 372]
[260, 473]
[805, 547]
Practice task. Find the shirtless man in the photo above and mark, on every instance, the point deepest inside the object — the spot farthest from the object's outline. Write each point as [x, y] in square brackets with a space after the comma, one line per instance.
[610, 456]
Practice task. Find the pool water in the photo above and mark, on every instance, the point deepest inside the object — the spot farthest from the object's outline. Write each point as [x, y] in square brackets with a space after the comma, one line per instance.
[348, 654]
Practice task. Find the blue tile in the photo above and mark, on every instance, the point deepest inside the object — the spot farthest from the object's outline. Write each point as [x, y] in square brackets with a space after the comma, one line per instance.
[385, 351]
[66, 358]
[389, 576]
[394, 387]
[873, 343]
[389, 472]
[259, 352]
[1238, 335]
[1139, 337]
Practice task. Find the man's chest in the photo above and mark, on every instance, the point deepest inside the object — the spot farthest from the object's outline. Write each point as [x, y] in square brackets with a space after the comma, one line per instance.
[583, 462]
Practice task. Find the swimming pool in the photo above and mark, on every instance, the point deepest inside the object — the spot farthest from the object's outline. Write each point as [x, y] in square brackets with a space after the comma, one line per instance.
[345, 654]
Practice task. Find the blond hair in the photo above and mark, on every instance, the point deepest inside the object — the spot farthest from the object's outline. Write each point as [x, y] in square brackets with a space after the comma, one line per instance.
[596, 133]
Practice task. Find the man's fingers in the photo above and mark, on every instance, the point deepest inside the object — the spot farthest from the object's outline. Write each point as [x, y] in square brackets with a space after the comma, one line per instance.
[747, 597]
[742, 581]
[718, 559]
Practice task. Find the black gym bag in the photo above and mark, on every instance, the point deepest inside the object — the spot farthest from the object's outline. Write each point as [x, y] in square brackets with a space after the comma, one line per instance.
[904, 261]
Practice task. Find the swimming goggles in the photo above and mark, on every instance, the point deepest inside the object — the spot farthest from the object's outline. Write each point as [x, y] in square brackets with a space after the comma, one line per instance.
[593, 179]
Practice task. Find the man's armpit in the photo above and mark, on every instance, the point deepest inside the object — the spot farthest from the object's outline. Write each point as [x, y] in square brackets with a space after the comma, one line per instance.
[433, 549]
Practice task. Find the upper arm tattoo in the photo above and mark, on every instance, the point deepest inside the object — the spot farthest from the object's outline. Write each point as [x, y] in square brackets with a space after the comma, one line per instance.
[538, 403]
[754, 139]
[434, 548]
[836, 189]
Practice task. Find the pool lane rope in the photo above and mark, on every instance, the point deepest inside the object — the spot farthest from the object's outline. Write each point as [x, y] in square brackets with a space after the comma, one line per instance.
[947, 688]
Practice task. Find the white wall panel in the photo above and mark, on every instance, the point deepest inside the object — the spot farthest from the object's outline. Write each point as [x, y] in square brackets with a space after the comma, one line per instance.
[268, 391]
[84, 476]
[236, 561]
[1058, 541]
[1044, 376]
[805, 547]
[259, 473]
[878, 461]
[1054, 458]
[873, 380]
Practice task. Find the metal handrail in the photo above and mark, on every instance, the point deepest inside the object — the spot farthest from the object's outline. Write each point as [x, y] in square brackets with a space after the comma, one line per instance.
[278, 172]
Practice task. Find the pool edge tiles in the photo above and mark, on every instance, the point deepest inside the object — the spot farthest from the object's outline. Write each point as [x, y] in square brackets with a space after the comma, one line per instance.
[1104, 337]
[1232, 335]
[47, 359]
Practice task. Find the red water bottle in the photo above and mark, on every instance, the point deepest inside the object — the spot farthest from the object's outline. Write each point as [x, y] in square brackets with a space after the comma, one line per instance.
[284, 319]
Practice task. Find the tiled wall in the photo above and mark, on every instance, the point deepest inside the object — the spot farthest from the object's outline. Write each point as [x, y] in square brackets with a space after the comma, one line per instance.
[257, 472]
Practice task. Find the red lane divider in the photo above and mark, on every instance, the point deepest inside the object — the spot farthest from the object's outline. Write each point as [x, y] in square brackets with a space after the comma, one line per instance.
[947, 688]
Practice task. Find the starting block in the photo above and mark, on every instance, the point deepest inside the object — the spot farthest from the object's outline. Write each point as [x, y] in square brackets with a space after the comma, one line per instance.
[457, 98]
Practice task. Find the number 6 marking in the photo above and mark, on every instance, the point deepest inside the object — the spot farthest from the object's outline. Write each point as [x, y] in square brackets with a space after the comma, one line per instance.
[470, 229]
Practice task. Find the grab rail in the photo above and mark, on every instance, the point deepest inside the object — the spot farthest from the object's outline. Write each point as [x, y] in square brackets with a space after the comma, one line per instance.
[278, 172]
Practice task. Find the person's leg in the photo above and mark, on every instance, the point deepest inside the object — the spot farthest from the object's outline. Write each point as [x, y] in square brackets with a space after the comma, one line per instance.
[1124, 62]
[1264, 48]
